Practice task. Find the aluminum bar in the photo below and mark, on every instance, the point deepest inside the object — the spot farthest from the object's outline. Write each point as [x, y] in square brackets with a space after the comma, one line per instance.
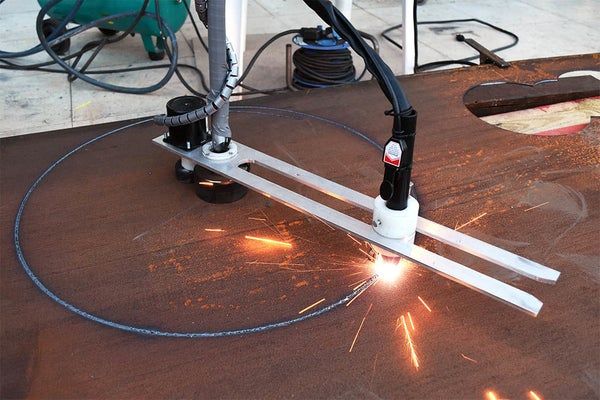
[445, 267]
[466, 243]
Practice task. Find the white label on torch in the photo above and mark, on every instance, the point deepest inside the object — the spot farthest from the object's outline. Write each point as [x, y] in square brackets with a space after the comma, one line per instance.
[392, 154]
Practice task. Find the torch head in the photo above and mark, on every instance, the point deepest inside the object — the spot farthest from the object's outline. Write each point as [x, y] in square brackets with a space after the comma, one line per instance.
[388, 266]
[385, 256]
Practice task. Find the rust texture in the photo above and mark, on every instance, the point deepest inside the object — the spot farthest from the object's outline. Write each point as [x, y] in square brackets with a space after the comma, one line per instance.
[113, 232]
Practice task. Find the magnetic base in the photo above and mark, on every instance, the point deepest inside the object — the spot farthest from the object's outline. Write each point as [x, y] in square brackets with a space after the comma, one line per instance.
[216, 189]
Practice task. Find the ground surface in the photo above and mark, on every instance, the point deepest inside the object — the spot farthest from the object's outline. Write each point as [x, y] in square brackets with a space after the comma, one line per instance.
[37, 101]
[111, 231]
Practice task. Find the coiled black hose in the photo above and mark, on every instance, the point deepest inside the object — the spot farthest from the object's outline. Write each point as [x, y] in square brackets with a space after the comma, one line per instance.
[141, 330]
[321, 68]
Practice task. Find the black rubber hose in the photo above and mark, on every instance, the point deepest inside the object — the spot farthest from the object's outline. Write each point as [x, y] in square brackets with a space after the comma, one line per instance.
[140, 330]
[443, 63]
[261, 49]
[55, 33]
[384, 75]
[316, 68]
[84, 77]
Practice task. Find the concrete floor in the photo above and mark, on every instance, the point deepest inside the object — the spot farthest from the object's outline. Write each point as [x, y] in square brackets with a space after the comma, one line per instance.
[39, 101]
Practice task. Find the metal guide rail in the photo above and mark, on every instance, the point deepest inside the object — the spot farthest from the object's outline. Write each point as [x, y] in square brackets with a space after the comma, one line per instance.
[450, 269]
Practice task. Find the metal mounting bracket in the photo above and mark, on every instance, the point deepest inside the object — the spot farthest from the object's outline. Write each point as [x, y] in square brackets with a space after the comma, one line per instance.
[450, 269]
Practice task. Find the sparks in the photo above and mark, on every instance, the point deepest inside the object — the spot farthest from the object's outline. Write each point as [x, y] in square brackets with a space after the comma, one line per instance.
[311, 306]
[352, 237]
[359, 328]
[413, 354]
[269, 241]
[533, 395]
[534, 207]
[257, 219]
[468, 358]
[412, 325]
[471, 221]
[355, 273]
[214, 230]
[357, 284]
[423, 302]
[356, 297]
[490, 395]
[370, 257]
[365, 285]
[389, 271]
[209, 184]
[283, 264]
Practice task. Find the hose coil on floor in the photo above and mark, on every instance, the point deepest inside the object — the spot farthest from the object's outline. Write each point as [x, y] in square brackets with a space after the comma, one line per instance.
[322, 68]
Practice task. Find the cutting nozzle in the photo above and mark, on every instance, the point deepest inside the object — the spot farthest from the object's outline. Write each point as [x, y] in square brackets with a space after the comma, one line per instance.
[392, 259]
[385, 256]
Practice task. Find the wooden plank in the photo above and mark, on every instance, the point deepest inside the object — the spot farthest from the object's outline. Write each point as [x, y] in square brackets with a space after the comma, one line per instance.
[502, 98]
[564, 118]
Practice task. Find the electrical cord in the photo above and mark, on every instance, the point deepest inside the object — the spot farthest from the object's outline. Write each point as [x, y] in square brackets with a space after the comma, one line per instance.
[172, 57]
[268, 43]
[441, 63]
[82, 28]
[320, 68]
[202, 42]
[157, 332]
[70, 70]
[262, 48]
[96, 47]
[53, 35]
[380, 70]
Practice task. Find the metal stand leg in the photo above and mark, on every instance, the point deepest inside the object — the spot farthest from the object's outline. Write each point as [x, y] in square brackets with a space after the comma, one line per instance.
[408, 37]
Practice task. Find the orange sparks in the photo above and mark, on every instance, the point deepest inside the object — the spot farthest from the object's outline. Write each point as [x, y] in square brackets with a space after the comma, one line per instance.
[283, 264]
[352, 237]
[534, 207]
[214, 230]
[533, 395]
[468, 358]
[489, 395]
[358, 283]
[389, 272]
[356, 297]
[257, 219]
[311, 306]
[471, 221]
[209, 184]
[412, 325]
[413, 354]
[359, 328]
[269, 241]
[355, 273]
[423, 302]
[367, 254]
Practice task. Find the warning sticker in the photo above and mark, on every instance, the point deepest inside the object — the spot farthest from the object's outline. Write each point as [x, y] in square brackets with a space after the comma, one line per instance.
[392, 153]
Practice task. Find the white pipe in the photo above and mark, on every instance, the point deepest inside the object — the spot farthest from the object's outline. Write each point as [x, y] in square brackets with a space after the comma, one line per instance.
[408, 37]
[236, 15]
[345, 6]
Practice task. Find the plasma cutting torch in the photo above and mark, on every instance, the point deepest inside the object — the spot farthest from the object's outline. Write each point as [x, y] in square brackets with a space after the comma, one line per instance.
[220, 167]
